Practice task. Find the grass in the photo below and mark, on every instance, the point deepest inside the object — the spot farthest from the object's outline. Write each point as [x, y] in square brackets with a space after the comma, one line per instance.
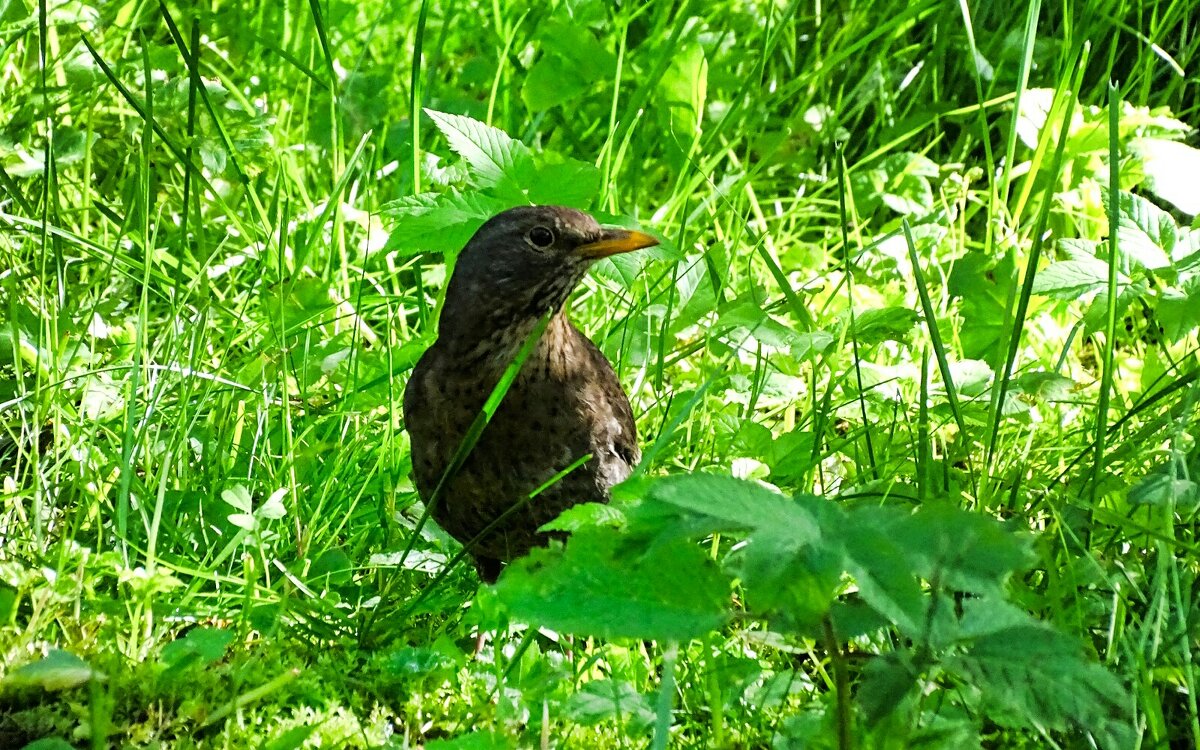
[884, 280]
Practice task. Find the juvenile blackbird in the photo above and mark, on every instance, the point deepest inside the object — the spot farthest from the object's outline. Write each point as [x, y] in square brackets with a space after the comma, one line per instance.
[565, 403]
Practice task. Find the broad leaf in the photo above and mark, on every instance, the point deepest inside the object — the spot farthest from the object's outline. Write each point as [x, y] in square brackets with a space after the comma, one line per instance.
[599, 587]
[496, 160]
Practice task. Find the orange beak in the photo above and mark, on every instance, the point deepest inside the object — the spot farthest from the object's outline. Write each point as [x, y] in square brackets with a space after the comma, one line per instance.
[615, 242]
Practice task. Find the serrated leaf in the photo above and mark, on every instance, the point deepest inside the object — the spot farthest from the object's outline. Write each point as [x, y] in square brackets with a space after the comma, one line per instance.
[438, 222]
[477, 740]
[884, 324]
[701, 504]
[1146, 234]
[496, 160]
[1071, 279]
[881, 568]
[585, 515]
[1163, 489]
[1035, 677]
[596, 586]
[610, 700]
[572, 62]
[1178, 310]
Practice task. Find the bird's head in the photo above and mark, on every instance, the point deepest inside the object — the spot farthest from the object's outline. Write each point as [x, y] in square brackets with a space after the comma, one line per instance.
[523, 263]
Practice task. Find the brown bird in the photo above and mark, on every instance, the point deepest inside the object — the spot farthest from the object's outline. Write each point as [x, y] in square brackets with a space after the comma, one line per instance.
[565, 403]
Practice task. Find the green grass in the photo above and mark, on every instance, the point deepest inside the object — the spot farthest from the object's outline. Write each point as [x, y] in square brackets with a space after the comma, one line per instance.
[885, 290]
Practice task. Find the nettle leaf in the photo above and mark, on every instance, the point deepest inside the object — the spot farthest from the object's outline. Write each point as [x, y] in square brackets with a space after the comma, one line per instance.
[610, 700]
[749, 317]
[965, 551]
[881, 567]
[885, 324]
[1186, 253]
[1161, 488]
[586, 515]
[598, 586]
[1096, 316]
[792, 581]
[886, 682]
[1035, 677]
[477, 740]
[1146, 234]
[431, 222]
[496, 160]
[701, 504]
[1072, 279]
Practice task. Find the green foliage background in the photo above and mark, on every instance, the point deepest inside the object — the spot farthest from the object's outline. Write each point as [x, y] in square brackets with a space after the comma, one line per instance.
[919, 429]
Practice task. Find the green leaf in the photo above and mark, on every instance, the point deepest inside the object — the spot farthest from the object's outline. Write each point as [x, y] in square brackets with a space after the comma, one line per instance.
[886, 682]
[334, 565]
[495, 160]
[1049, 386]
[701, 504]
[1146, 234]
[585, 515]
[982, 285]
[885, 324]
[49, 743]
[431, 222]
[882, 570]
[274, 508]
[1034, 677]
[1072, 279]
[572, 62]
[600, 587]
[683, 90]
[203, 645]
[479, 740]
[564, 182]
[1163, 489]
[59, 670]
[964, 550]
[610, 700]
[1178, 310]
[292, 738]
[239, 498]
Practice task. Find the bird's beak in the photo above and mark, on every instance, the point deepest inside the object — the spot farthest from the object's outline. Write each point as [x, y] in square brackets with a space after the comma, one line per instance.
[615, 241]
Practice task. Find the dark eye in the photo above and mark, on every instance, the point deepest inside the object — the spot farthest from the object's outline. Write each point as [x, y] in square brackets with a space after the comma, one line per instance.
[541, 237]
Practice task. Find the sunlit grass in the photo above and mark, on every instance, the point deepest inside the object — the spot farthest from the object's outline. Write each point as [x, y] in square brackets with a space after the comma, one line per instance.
[203, 339]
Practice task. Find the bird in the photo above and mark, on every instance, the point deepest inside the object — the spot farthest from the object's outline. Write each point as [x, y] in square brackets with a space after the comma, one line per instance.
[564, 405]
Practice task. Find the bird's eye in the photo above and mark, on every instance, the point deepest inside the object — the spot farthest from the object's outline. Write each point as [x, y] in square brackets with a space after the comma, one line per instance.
[541, 237]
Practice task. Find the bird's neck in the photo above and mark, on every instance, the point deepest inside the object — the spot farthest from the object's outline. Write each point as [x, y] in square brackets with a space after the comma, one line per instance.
[492, 350]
